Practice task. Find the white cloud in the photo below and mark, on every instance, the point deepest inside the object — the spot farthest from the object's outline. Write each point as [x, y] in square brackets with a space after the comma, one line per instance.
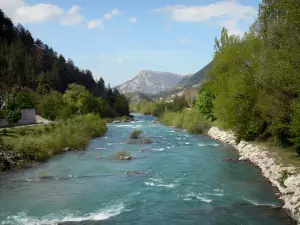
[101, 56]
[237, 32]
[185, 40]
[231, 25]
[115, 12]
[20, 12]
[226, 13]
[73, 17]
[168, 8]
[226, 9]
[10, 6]
[94, 23]
[132, 20]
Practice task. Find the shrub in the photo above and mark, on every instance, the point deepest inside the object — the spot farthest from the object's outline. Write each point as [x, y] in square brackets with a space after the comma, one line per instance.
[188, 119]
[120, 154]
[135, 134]
[3, 114]
[13, 116]
[24, 100]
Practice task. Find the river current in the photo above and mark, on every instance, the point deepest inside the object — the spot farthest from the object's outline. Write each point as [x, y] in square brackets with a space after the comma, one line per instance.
[183, 179]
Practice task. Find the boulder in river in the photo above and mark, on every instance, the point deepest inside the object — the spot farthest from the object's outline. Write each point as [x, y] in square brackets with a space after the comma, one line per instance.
[11, 159]
[122, 155]
[124, 158]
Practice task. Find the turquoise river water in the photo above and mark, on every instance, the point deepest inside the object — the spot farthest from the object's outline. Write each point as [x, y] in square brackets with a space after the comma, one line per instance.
[184, 180]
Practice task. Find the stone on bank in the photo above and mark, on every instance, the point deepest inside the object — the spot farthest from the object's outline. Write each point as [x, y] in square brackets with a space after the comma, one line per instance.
[286, 179]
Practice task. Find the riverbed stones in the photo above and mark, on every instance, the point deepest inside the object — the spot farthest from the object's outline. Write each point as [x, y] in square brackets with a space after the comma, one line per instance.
[270, 168]
[66, 149]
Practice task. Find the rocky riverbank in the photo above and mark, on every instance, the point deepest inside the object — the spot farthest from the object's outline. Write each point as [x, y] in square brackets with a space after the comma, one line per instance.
[13, 160]
[10, 160]
[286, 179]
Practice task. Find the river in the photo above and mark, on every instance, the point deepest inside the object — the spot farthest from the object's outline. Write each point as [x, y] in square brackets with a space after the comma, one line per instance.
[184, 181]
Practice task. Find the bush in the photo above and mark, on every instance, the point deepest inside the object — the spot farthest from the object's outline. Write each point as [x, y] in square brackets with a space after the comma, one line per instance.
[3, 114]
[135, 134]
[188, 119]
[13, 116]
[24, 100]
[120, 154]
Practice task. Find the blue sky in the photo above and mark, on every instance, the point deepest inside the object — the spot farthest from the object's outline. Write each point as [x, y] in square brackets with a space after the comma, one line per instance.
[117, 38]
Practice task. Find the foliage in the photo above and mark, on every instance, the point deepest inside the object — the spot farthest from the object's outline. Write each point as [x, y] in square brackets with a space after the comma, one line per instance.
[120, 154]
[3, 114]
[159, 108]
[77, 97]
[78, 101]
[25, 100]
[51, 106]
[205, 102]
[187, 119]
[29, 64]
[254, 84]
[135, 134]
[13, 116]
[43, 141]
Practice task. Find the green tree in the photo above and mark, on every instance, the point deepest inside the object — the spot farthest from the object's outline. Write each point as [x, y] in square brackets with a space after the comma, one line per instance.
[77, 96]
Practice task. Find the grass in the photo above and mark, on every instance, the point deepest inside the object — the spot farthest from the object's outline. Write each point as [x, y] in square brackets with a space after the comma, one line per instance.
[136, 134]
[120, 154]
[38, 143]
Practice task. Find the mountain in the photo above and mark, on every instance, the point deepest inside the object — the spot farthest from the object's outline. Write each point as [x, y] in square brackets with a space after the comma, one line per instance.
[191, 81]
[150, 82]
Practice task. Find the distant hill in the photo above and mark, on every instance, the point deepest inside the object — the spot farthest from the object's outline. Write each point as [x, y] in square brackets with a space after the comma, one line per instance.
[135, 97]
[191, 81]
[150, 82]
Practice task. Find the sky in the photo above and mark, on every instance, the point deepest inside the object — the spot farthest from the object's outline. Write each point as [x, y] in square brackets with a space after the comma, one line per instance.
[117, 38]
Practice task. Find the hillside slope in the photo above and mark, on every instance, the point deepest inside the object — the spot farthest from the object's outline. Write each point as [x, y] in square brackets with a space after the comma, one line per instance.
[192, 81]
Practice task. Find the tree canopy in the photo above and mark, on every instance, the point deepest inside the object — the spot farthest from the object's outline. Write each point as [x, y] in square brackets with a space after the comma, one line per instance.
[29, 64]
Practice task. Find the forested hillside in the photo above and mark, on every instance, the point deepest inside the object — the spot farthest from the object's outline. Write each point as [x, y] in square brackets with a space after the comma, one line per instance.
[254, 83]
[29, 65]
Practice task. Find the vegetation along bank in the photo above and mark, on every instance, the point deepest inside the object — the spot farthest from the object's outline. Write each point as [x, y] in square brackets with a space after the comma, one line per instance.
[34, 76]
